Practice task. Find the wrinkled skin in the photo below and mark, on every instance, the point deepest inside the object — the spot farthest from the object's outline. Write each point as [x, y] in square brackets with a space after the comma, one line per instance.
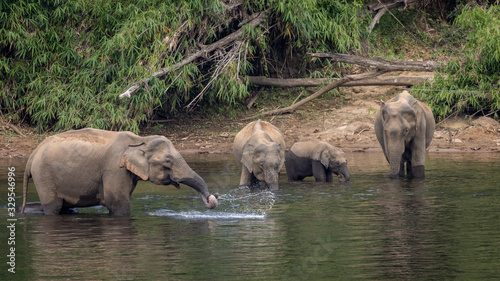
[92, 167]
[260, 150]
[315, 158]
[404, 127]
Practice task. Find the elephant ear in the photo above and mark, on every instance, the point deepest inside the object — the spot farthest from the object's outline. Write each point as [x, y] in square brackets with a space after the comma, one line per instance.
[247, 158]
[134, 159]
[322, 156]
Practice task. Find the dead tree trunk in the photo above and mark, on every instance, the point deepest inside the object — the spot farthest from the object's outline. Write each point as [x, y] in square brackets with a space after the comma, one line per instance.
[381, 64]
[324, 90]
[311, 82]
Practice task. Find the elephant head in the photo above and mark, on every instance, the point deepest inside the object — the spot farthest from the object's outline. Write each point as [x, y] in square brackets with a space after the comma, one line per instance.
[400, 126]
[265, 161]
[333, 159]
[158, 161]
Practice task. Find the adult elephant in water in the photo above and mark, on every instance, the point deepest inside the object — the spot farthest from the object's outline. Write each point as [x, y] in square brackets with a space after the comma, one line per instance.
[404, 127]
[92, 167]
[259, 148]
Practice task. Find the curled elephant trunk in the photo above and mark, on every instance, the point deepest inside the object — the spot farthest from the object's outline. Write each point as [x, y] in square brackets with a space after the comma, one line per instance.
[197, 183]
[343, 174]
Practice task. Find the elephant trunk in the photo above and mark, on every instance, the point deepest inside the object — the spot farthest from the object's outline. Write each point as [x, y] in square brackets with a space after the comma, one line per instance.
[271, 179]
[194, 180]
[395, 154]
[197, 183]
[394, 148]
[343, 174]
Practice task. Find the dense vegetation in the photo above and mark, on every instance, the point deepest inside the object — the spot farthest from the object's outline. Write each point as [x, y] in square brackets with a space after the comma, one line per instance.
[469, 83]
[63, 64]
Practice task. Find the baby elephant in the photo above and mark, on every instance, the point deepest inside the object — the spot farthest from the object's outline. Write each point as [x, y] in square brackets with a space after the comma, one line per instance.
[315, 158]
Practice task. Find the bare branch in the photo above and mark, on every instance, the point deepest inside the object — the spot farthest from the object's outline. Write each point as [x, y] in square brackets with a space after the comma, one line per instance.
[381, 64]
[256, 19]
[324, 90]
[311, 82]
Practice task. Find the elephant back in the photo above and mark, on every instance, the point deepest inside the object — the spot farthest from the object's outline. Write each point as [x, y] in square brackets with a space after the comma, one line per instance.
[256, 131]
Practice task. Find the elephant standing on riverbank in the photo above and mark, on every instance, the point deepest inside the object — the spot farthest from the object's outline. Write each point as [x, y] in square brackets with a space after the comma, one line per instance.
[316, 158]
[260, 150]
[405, 127]
[90, 167]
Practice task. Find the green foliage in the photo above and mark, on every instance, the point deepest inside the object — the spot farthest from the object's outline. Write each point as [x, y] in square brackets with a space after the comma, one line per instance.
[321, 25]
[470, 83]
[64, 63]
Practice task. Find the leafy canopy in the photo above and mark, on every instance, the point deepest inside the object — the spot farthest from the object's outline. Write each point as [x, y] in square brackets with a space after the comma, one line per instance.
[64, 63]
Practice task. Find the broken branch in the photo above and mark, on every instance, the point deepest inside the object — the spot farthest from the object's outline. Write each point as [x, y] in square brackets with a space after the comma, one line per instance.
[381, 64]
[314, 82]
[256, 19]
[324, 90]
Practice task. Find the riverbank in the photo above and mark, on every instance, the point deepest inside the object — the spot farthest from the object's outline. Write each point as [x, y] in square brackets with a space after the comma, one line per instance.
[345, 122]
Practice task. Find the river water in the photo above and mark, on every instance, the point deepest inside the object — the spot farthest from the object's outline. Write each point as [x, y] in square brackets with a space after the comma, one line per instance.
[446, 226]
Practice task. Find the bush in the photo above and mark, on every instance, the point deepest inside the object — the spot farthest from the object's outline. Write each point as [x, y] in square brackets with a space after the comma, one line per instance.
[469, 83]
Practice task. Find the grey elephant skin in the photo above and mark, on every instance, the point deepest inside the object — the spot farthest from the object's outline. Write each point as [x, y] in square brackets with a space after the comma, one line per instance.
[259, 148]
[316, 158]
[90, 167]
[404, 127]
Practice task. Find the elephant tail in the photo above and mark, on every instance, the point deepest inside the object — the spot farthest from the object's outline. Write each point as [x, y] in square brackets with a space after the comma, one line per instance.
[27, 175]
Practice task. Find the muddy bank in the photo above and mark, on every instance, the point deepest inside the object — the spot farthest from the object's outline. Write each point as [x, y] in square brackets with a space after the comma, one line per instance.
[347, 124]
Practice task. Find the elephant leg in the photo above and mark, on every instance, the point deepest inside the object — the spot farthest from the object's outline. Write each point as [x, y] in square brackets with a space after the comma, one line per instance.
[409, 170]
[319, 171]
[117, 205]
[53, 208]
[329, 175]
[418, 158]
[246, 177]
[51, 203]
[418, 171]
[402, 168]
[290, 174]
[116, 194]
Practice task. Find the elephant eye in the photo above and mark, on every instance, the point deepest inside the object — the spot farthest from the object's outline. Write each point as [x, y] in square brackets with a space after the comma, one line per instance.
[168, 163]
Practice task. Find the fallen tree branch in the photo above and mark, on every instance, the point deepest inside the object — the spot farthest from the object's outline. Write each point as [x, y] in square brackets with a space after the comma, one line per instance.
[256, 19]
[314, 82]
[381, 64]
[324, 90]
[375, 6]
[376, 19]
[14, 128]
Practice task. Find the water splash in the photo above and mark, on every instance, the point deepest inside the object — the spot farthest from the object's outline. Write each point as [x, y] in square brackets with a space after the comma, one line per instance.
[240, 203]
[196, 215]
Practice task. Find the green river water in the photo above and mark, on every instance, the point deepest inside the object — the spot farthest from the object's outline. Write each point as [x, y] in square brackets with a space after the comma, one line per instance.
[445, 227]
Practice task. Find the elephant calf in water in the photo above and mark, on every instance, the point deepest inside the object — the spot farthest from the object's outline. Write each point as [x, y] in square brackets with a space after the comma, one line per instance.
[260, 150]
[90, 167]
[316, 158]
[404, 127]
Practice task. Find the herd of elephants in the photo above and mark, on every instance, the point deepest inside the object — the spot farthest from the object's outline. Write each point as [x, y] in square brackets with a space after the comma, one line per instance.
[90, 167]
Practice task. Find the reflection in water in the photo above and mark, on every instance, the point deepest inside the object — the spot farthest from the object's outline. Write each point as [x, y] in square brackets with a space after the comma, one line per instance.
[443, 227]
[67, 246]
[404, 229]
